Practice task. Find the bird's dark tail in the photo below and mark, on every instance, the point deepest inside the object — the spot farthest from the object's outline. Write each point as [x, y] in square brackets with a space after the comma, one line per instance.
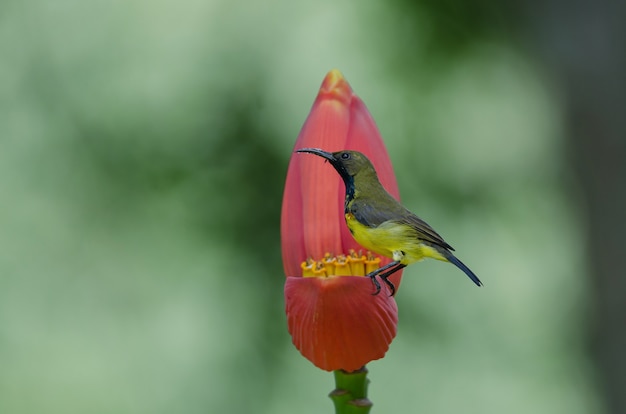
[452, 259]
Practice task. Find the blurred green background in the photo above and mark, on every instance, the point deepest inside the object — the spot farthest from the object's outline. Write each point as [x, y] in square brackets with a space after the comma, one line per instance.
[143, 150]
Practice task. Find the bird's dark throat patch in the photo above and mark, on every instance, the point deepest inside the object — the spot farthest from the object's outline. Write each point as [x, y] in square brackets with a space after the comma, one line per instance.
[349, 182]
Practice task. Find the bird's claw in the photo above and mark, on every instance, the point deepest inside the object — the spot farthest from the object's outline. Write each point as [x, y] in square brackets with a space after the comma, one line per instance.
[387, 282]
[390, 285]
[376, 284]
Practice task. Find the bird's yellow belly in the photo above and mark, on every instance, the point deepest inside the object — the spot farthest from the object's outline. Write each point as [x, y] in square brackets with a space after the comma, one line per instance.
[393, 240]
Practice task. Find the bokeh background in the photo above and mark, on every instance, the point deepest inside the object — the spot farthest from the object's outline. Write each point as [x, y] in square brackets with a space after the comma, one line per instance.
[143, 149]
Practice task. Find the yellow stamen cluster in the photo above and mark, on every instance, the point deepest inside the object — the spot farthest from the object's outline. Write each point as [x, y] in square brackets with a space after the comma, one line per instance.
[353, 264]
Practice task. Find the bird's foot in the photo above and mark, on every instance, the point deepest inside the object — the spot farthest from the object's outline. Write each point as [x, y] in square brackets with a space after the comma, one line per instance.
[389, 284]
[372, 277]
[387, 270]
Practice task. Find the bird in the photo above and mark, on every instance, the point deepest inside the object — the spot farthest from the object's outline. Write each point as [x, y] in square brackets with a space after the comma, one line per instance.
[378, 222]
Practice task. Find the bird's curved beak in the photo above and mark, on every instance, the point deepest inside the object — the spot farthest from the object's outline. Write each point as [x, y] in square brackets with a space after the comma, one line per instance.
[336, 163]
[326, 155]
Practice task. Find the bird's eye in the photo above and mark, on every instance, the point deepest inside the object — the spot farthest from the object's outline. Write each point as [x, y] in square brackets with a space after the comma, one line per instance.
[345, 156]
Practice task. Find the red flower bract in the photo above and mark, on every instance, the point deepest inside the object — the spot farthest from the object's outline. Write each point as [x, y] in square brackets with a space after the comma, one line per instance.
[336, 323]
[334, 320]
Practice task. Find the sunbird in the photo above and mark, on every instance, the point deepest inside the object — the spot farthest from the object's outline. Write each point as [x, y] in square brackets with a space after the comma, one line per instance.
[381, 224]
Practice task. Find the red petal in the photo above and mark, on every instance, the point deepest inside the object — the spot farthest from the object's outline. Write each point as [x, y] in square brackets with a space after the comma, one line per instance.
[338, 120]
[336, 322]
[311, 188]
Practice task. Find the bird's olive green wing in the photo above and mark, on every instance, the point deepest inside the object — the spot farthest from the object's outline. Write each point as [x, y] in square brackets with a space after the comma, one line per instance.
[424, 231]
[373, 216]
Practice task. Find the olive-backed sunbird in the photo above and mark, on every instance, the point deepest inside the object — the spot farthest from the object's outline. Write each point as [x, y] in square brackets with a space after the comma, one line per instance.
[381, 224]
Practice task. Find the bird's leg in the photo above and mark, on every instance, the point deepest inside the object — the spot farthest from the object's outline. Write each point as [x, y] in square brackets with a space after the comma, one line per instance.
[385, 277]
[375, 282]
[395, 265]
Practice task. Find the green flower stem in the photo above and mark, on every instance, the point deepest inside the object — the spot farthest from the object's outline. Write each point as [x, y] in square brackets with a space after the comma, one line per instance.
[350, 396]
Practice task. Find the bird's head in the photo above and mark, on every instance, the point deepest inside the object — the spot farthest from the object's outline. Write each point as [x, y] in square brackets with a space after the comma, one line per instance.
[348, 164]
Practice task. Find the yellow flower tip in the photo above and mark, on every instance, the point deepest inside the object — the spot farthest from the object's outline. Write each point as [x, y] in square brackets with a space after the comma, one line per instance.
[329, 264]
[353, 264]
[357, 263]
[308, 268]
[320, 270]
[372, 262]
[336, 86]
[342, 268]
[334, 76]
